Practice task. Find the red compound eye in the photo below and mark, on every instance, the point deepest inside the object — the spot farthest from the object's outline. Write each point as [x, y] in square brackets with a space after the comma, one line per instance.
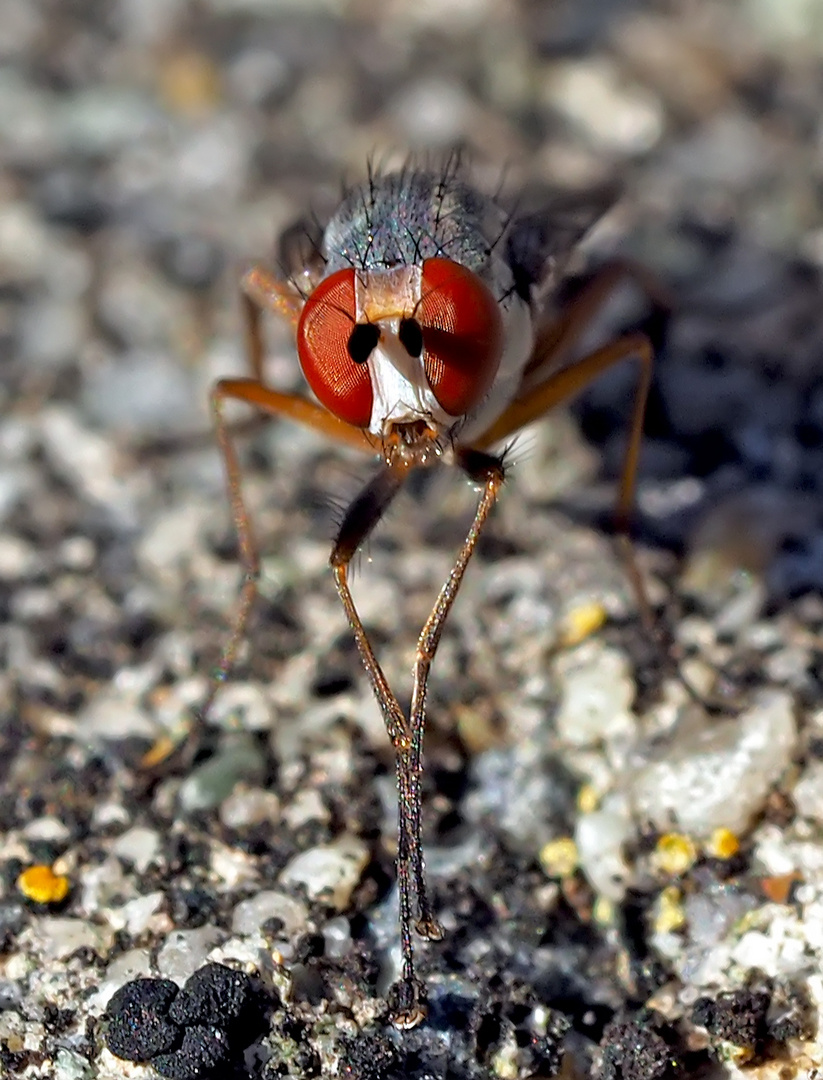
[462, 335]
[333, 349]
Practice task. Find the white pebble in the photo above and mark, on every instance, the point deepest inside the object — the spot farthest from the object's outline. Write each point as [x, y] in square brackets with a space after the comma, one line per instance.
[249, 915]
[249, 806]
[600, 838]
[138, 847]
[616, 114]
[329, 872]
[597, 693]
[717, 772]
[184, 951]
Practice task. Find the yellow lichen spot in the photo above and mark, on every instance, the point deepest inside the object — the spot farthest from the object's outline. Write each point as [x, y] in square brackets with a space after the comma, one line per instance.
[674, 854]
[581, 622]
[559, 857]
[189, 82]
[42, 885]
[722, 844]
[734, 1055]
[504, 1063]
[603, 911]
[669, 913]
[588, 799]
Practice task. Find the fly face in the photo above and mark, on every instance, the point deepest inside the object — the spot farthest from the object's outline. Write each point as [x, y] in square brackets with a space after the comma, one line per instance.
[383, 348]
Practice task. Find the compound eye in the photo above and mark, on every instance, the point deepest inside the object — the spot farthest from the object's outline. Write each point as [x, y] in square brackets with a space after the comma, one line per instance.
[462, 333]
[333, 349]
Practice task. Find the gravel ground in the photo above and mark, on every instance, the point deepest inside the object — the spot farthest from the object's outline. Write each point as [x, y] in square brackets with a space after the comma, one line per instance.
[631, 884]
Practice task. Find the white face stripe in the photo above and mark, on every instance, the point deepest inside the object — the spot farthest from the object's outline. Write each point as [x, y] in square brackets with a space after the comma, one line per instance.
[399, 384]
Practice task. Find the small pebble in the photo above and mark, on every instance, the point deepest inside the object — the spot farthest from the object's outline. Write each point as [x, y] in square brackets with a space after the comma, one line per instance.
[249, 806]
[138, 847]
[329, 872]
[240, 760]
[69, 1065]
[597, 692]
[57, 938]
[595, 96]
[601, 838]
[184, 951]
[250, 915]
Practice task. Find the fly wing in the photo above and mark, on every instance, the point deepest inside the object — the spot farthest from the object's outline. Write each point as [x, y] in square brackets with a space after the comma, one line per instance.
[540, 242]
[299, 253]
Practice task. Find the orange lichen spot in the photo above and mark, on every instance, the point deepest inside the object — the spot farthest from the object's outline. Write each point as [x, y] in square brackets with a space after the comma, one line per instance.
[675, 854]
[722, 844]
[158, 753]
[581, 622]
[778, 888]
[43, 886]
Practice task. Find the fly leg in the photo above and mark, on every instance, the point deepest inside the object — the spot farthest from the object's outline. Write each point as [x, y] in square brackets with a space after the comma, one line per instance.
[563, 385]
[362, 516]
[259, 292]
[544, 387]
[486, 470]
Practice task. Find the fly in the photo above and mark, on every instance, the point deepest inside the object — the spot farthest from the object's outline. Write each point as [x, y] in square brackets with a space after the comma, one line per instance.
[420, 329]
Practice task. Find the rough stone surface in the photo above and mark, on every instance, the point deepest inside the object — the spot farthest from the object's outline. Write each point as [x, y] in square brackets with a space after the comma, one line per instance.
[716, 773]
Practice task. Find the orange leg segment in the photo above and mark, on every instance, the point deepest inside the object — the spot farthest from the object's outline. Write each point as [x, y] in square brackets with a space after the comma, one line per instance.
[562, 386]
[261, 291]
[293, 407]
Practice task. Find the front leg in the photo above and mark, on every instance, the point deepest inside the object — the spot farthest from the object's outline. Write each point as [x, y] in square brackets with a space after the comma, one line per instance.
[487, 470]
[361, 518]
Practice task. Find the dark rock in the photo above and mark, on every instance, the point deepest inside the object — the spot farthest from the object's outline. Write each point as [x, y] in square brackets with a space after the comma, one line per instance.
[205, 1047]
[74, 197]
[738, 1017]
[791, 1014]
[640, 1046]
[371, 1057]
[138, 1024]
[215, 994]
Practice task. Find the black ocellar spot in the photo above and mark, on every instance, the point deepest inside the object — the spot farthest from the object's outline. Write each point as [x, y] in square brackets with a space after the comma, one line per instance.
[411, 336]
[362, 341]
